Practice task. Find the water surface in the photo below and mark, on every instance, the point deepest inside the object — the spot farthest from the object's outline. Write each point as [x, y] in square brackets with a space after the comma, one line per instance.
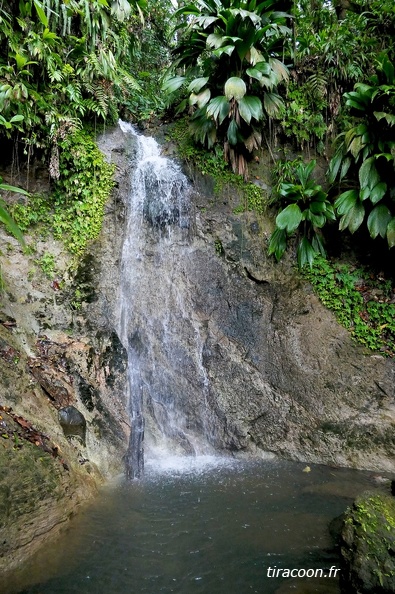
[200, 526]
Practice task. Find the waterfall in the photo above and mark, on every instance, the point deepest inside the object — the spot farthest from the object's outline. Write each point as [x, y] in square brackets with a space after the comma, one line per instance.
[151, 304]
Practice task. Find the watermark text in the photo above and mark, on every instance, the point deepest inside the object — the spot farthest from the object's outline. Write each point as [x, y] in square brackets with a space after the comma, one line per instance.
[302, 573]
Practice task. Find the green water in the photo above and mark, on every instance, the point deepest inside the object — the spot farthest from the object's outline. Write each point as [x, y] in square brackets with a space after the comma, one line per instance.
[208, 527]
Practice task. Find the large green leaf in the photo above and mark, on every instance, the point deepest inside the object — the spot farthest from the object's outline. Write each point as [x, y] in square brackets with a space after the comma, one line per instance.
[218, 108]
[9, 222]
[172, 84]
[273, 104]
[306, 253]
[317, 207]
[356, 146]
[378, 221]
[254, 73]
[279, 68]
[235, 87]
[345, 201]
[389, 118]
[250, 107]
[388, 69]
[378, 192]
[40, 12]
[365, 193]
[255, 56]
[368, 175]
[226, 49]
[317, 220]
[335, 163]
[318, 245]
[345, 167]
[232, 132]
[203, 97]
[197, 84]
[278, 243]
[289, 218]
[255, 18]
[391, 233]
[353, 218]
[206, 21]
[215, 40]
[8, 188]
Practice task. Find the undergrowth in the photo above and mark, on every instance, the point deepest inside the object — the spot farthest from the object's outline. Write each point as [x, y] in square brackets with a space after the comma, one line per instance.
[362, 302]
[74, 211]
[213, 163]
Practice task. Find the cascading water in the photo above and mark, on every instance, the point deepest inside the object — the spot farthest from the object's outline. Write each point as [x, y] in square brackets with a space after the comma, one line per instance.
[153, 309]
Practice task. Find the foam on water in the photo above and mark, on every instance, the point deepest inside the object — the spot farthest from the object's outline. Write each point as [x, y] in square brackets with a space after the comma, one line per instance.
[182, 465]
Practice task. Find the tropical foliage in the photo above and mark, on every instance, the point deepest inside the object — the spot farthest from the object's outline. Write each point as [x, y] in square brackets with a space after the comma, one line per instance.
[308, 210]
[335, 45]
[5, 217]
[61, 63]
[229, 52]
[248, 72]
[364, 162]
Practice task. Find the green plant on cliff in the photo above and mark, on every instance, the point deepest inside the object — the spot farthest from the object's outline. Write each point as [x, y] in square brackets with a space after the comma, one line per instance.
[364, 162]
[362, 303]
[74, 211]
[81, 192]
[306, 212]
[5, 217]
[252, 197]
[47, 264]
[369, 533]
[231, 55]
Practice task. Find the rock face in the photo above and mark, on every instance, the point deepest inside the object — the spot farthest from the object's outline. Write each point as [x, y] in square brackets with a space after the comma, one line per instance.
[55, 359]
[237, 348]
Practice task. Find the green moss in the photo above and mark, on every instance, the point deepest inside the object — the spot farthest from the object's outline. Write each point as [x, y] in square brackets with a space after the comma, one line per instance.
[29, 475]
[369, 531]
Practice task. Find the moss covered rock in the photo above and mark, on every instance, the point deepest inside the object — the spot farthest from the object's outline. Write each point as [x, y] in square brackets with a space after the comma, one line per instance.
[368, 545]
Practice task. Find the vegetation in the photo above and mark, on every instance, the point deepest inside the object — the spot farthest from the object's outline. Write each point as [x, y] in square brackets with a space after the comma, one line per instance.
[252, 197]
[361, 302]
[75, 210]
[230, 53]
[307, 206]
[63, 67]
[364, 161]
[5, 217]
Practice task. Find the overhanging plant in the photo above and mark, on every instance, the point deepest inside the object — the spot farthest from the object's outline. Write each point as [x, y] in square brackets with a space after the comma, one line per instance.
[229, 52]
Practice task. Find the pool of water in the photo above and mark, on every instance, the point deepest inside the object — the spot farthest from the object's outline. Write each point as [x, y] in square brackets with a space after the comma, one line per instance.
[200, 526]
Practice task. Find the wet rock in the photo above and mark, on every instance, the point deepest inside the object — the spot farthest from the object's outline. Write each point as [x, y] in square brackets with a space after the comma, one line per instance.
[239, 350]
[55, 383]
[368, 546]
[73, 422]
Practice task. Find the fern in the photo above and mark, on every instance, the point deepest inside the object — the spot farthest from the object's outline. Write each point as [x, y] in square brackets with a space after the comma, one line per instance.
[317, 85]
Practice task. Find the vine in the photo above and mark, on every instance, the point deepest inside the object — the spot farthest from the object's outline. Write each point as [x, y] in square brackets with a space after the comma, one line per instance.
[74, 211]
[361, 302]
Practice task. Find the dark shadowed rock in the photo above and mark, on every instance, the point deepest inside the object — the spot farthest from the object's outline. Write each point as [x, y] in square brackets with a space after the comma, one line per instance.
[73, 422]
